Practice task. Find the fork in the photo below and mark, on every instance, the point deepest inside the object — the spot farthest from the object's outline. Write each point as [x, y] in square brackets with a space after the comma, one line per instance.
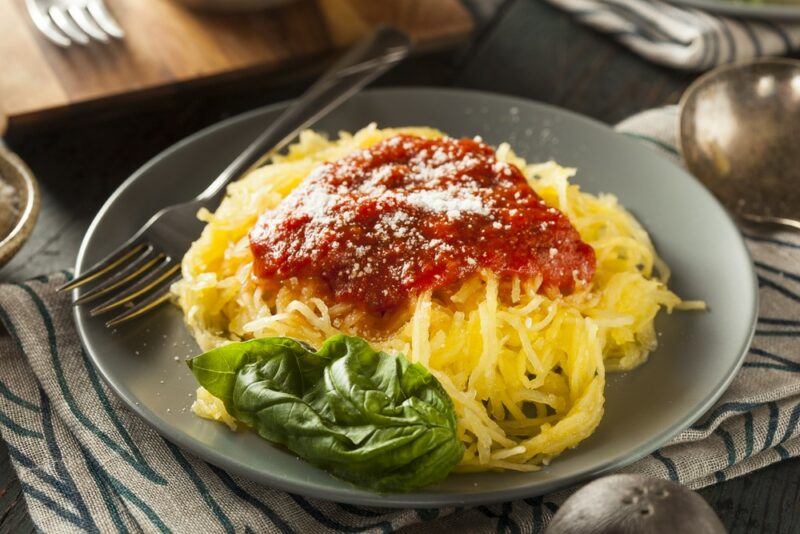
[74, 21]
[138, 274]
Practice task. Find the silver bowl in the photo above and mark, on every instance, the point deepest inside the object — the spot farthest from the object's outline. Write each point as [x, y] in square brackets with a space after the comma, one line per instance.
[16, 174]
[740, 135]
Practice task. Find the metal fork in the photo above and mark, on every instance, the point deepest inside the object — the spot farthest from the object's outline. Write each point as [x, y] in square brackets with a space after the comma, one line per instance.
[74, 21]
[138, 274]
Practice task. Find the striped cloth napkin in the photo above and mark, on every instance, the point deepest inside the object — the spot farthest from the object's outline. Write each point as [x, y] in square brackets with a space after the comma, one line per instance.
[86, 463]
[684, 38]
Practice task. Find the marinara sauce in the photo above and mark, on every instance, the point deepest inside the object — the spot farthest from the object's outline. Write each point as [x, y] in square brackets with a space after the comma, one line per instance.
[410, 214]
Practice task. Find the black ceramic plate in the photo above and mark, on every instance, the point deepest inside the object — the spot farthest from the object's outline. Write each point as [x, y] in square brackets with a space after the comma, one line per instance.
[698, 355]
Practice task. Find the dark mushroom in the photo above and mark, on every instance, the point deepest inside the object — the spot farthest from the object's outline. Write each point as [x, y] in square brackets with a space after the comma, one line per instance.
[634, 504]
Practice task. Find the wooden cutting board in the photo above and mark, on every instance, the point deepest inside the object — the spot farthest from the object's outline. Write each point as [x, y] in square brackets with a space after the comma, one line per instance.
[168, 45]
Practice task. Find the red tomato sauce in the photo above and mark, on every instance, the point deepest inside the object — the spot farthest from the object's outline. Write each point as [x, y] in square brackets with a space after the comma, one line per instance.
[410, 214]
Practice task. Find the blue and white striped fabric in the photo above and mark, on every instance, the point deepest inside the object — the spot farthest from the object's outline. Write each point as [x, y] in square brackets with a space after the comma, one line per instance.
[684, 38]
[87, 464]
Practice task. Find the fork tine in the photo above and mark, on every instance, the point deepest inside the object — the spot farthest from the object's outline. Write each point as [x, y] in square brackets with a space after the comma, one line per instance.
[67, 25]
[107, 264]
[104, 19]
[86, 23]
[154, 300]
[129, 273]
[45, 25]
[143, 286]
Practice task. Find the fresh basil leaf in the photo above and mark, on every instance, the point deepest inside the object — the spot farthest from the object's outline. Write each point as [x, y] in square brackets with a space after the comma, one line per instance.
[368, 417]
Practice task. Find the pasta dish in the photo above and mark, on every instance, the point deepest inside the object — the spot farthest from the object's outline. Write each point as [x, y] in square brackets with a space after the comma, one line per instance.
[513, 288]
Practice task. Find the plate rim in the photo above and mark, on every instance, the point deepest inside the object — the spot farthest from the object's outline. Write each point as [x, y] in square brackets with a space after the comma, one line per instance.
[344, 493]
[739, 9]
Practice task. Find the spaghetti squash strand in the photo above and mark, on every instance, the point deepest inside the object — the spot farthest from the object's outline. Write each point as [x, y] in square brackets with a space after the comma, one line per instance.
[526, 372]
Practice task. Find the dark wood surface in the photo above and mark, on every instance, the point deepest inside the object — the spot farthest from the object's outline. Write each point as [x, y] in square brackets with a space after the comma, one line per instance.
[526, 49]
[168, 44]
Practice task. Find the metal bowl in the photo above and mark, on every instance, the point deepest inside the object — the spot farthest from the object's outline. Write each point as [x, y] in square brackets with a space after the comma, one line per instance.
[739, 134]
[16, 174]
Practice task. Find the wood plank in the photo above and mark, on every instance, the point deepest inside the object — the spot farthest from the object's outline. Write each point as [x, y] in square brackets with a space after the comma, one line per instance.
[17, 43]
[14, 515]
[427, 21]
[167, 44]
[541, 53]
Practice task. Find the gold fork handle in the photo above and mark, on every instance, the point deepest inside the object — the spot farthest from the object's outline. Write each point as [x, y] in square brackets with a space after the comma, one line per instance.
[360, 65]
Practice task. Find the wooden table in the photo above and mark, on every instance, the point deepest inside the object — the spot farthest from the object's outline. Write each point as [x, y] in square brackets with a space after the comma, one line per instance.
[168, 44]
[526, 49]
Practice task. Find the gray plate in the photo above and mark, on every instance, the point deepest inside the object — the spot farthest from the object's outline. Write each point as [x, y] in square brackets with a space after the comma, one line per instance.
[698, 356]
[764, 10]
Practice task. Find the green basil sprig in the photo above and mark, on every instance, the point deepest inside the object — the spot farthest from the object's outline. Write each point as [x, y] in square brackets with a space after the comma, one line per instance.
[367, 417]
